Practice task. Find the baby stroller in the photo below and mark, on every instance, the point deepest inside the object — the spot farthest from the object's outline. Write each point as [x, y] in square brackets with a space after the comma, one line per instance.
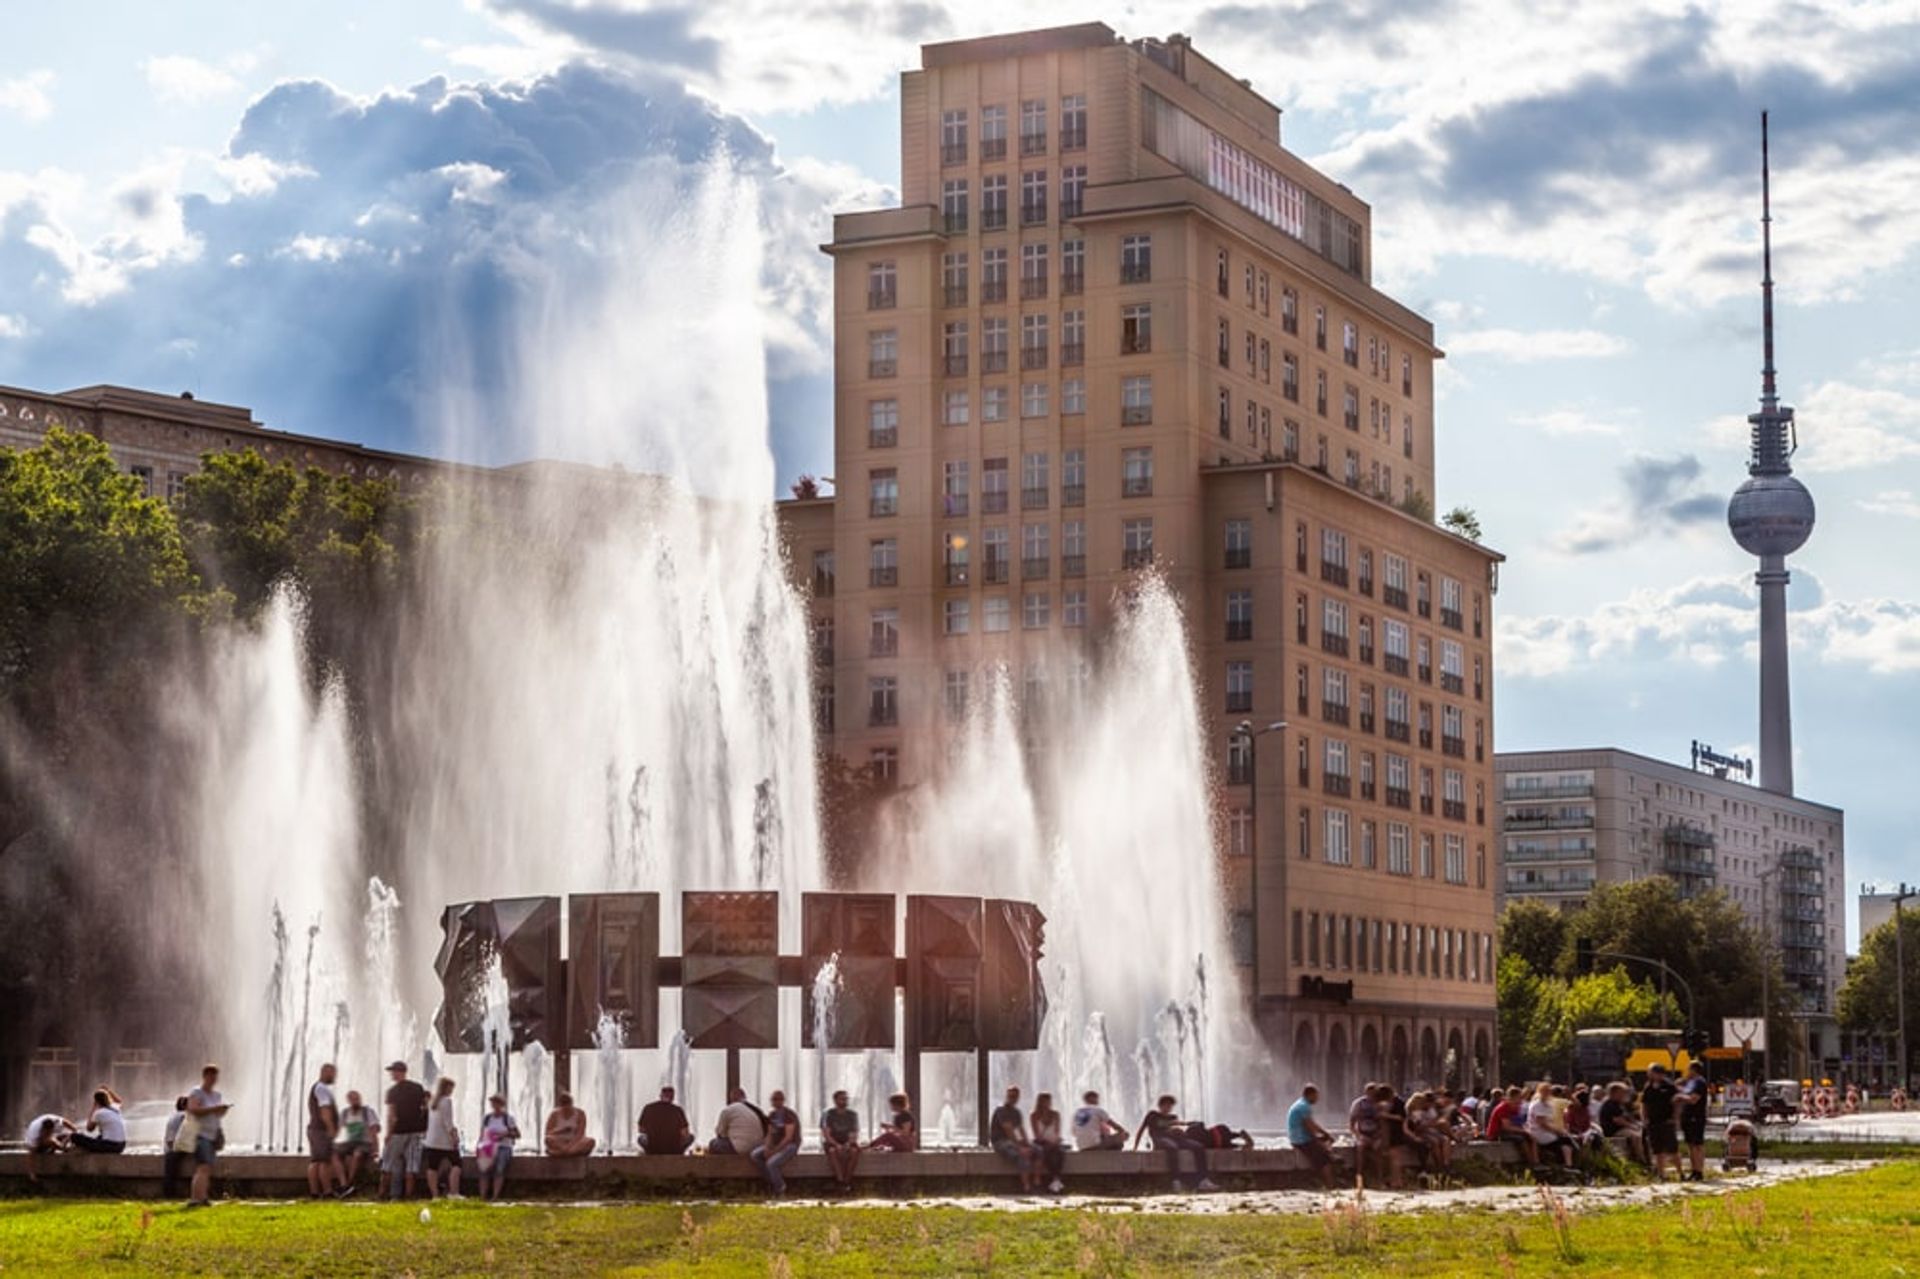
[1743, 1146]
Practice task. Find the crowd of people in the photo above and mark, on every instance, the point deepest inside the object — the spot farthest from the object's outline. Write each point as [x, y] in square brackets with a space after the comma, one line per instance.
[414, 1141]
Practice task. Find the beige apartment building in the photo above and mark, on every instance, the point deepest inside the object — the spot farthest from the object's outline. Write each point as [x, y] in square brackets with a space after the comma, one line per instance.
[1116, 327]
[1571, 819]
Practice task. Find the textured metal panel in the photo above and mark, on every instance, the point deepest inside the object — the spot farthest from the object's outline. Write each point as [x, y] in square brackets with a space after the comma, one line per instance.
[467, 941]
[613, 951]
[729, 969]
[859, 928]
[944, 970]
[522, 936]
[1013, 1000]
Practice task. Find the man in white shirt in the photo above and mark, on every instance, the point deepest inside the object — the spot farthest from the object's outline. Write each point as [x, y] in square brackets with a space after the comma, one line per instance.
[739, 1129]
[1094, 1129]
[324, 1172]
[209, 1111]
[46, 1135]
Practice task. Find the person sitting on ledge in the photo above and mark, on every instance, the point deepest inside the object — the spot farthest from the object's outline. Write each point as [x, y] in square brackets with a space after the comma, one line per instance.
[663, 1127]
[840, 1139]
[782, 1143]
[1170, 1135]
[1007, 1130]
[47, 1135]
[740, 1127]
[567, 1129]
[106, 1132]
[902, 1131]
[1306, 1136]
[1093, 1127]
[1050, 1151]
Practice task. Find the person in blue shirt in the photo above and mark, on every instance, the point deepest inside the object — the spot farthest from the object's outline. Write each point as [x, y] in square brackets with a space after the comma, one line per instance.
[1305, 1134]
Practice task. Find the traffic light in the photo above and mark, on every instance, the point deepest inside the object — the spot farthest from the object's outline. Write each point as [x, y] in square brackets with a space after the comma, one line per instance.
[1583, 955]
[1697, 1043]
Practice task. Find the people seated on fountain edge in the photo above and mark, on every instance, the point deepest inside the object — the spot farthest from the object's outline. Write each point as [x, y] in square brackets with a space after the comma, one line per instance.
[567, 1129]
[106, 1131]
[1007, 1130]
[782, 1143]
[494, 1152]
[663, 1128]
[1170, 1134]
[1050, 1151]
[840, 1140]
[1093, 1127]
[46, 1135]
[359, 1140]
[406, 1130]
[1305, 1135]
[902, 1131]
[740, 1127]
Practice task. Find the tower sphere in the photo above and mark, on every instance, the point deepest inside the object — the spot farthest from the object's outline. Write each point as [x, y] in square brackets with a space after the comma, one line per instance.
[1771, 515]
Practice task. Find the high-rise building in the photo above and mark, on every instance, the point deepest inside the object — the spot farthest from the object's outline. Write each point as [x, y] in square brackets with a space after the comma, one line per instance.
[1115, 326]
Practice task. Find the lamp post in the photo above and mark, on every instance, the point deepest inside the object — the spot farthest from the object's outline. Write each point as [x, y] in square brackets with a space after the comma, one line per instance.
[1766, 975]
[1247, 733]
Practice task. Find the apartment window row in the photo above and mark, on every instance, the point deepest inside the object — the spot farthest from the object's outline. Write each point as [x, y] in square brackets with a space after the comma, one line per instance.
[1036, 612]
[993, 118]
[1335, 942]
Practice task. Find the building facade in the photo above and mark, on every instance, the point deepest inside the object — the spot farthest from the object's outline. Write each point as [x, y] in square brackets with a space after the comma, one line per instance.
[1571, 819]
[1116, 327]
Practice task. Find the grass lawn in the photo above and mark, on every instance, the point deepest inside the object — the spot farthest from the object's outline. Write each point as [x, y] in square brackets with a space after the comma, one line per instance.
[1853, 1224]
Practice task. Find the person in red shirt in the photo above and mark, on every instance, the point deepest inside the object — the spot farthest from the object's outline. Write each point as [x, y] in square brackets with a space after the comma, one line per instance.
[1508, 1123]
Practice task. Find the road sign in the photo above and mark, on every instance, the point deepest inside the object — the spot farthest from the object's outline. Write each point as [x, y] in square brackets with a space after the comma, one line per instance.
[1723, 1054]
[1750, 1033]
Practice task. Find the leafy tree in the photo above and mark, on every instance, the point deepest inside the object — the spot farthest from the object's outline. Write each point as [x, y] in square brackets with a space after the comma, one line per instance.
[1869, 996]
[1534, 931]
[806, 487]
[1463, 520]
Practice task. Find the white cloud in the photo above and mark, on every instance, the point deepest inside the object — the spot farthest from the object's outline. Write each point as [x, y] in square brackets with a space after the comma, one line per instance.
[100, 240]
[13, 326]
[176, 77]
[27, 97]
[322, 248]
[1900, 502]
[1569, 422]
[1526, 347]
[1842, 427]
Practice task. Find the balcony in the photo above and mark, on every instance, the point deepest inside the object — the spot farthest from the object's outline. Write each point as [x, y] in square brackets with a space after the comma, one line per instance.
[957, 574]
[1454, 809]
[993, 148]
[1539, 887]
[1366, 654]
[1137, 486]
[1687, 865]
[1136, 272]
[1683, 835]
[993, 290]
[1334, 573]
[1394, 597]
[883, 575]
[1072, 283]
[955, 152]
[993, 361]
[1073, 495]
[954, 222]
[1073, 138]
[882, 368]
[1524, 793]
[1399, 797]
[1033, 143]
[1451, 619]
[1033, 287]
[1033, 357]
[1239, 628]
[993, 502]
[1239, 772]
[1334, 713]
[1394, 664]
[1367, 790]
[1137, 558]
[1541, 853]
[1072, 354]
[954, 505]
[1426, 805]
[1425, 673]
[994, 219]
[822, 652]
[1399, 730]
[1033, 214]
[956, 295]
[883, 716]
[1239, 557]
[1801, 911]
[1073, 566]
[1239, 701]
[1034, 567]
[1033, 499]
[1353, 419]
[1454, 746]
[1133, 342]
[883, 437]
[1335, 644]
[1366, 585]
[997, 571]
[1425, 608]
[879, 508]
[823, 585]
[1426, 739]
[1136, 415]
[1336, 784]
[1452, 683]
[955, 365]
[1071, 209]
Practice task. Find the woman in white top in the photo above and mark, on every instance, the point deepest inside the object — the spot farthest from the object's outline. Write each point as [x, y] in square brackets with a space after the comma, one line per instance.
[1544, 1126]
[106, 1132]
[441, 1145]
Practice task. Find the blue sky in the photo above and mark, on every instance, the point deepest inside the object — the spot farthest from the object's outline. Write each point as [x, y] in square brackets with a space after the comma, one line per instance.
[268, 205]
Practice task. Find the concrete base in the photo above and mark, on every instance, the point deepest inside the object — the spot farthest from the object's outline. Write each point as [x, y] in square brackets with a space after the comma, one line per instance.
[604, 1177]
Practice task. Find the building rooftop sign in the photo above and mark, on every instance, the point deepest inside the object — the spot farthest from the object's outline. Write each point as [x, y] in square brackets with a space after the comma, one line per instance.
[1708, 760]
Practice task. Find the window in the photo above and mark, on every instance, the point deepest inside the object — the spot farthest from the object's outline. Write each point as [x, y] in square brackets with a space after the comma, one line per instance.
[1350, 408]
[176, 485]
[997, 554]
[993, 202]
[1350, 344]
[993, 275]
[993, 344]
[1266, 294]
[882, 291]
[1223, 344]
[1223, 416]
[1289, 311]
[1136, 259]
[953, 346]
[1367, 862]
[1073, 189]
[1073, 122]
[993, 133]
[1034, 481]
[1290, 377]
[883, 352]
[1399, 855]
[883, 700]
[1239, 832]
[1033, 399]
[1073, 266]
[1333, 556]
[1290, 440]
[1313, 937]
[883, 562]
[1073, 477]
[955, 408]
[1073, 338]
[1033, 340]
[1406, 375]
[1334, 687]
[953, 137]
[1452, 667]
[883, 423]
[1337, 851]
[953, 204]
[1222, 273]
[1033, 197]
[1451, 613]
[883, 492]
[823, 707]
[1320, 395]
[1266, 362]
[954, 487]
[1073, 608]
[993, 490]
[1246, 276]
[1035, 545]
[1073, 395]
[1034, 272]
[1426, 855]
[956, 561]
[1240, 614]
[1033, 127]
[1333, 626]
[958, 687]
[1320, 328]
[1036, 611]
[823, 573]
[883, 632]
[1136, 543]
[1239, 686]
[1136, 471]
[1136, 329]
[1239, 543]
[884, 763]
[999, 614]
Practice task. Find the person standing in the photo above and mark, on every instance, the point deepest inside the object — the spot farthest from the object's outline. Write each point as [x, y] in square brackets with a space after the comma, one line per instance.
[324, 1173]
[498, 1131]
[1093, 1127]
[663, 1127]
[1305, 1135]
[782, 1142]
[1050, 1150]
[440, 1144]
[739, 1128]
[1656, 1112]
[406, 1127]
[106, 1132]
[209, 1111]
[1007, 1130]
[840, 1139]
[1692, 1098]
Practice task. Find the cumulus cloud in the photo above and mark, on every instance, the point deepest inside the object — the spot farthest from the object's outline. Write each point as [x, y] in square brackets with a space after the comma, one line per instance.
[1660, 497]
[12, 326]
[1842, 427]
[1901, 502]
[1570, 422]
[26, 96]
[176, 77]
[1525, 347]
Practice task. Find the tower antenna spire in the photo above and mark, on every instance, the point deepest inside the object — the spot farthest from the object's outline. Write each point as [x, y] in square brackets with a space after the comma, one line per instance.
[1769, 397]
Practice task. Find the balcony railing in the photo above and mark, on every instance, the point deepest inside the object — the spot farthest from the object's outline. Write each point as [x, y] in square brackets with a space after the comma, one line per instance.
[954, 222]
[994, 219]
[955, 505]
[1366, 721]
[993, 148]
[955, 152]
[1335, 644]
[1335, 712]
[1073, 139]
[997, 571]
[1425, 673]
[1071, 209]
[1394, 664]
[822, 585]
[1693, 867]
[1426, 805]
[1366, 654]
[1399, 797]
[1533, 853]
[993, 290]
[1366, 585]
[957, 574]
[1136, 557]
[883, 575]
[1399, 730]
[1135, 343]
[1450, 617]
[1136, 414]
[1033, 286]
[1425, 606]
[1072, 283]
[1033, 143]
[881, 507]
[1073, 495]
[956, 295]
[955, 365]
[883, 716]
[1524, 793]
[1033, 357]
[1452, 683]
[882, 368]
[1073, 354]
[1367, 790]
[1239, 628]
[1136, 272]
[886, 645]
[1137, 486]
[883, 437]
[1337, 784]
[1033, 213]
[1239, 701]
[1394, 597]
[1685, 836]
[1033, 567]
[1334, 573]
[1033, 499]
[1239, 557]
[993, 502]
[1239, 773]
[993, 361]
[1456, 809]
[1454, 746]
[1426, 739]
[1073, 566]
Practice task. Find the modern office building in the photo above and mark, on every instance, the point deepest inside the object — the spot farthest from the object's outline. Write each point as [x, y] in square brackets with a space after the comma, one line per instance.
[1116, 327]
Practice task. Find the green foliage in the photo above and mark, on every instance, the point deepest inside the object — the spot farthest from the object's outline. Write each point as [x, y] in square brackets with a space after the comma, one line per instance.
[1539, 1013]
[1534, 931]
[1868, 996]
[1418, 505]
[1464, 521]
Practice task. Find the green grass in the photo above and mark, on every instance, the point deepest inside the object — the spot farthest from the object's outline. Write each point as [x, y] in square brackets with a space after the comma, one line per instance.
[1857, 1224]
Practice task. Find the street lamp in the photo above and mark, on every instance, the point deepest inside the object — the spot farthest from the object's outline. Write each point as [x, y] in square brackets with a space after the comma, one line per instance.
[1247, 733]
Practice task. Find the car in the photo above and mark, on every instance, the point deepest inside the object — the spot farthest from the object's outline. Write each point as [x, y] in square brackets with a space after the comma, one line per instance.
[1778, 1099]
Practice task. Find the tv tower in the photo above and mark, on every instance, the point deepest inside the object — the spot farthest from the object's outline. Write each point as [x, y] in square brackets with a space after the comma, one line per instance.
[1771, 517]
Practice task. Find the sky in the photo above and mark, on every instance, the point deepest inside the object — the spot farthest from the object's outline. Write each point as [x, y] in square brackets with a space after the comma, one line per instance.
[271, 204]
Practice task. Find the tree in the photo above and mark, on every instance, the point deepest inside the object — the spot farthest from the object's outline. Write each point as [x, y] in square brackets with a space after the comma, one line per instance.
[806, 487]
[1868, 997]
[1463, 520]
[1534, 931]
[1418, 505]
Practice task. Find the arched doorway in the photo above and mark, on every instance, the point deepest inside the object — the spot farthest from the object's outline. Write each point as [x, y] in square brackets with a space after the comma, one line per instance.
[1306, 1057]
[1369, 1056]
[1397, 1054]
[1482, 1060]
[1454, 1069]
[1429, 1058]
[1338, 1085]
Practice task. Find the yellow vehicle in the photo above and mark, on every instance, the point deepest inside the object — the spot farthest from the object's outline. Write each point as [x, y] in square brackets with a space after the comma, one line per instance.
[1603, 1054]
